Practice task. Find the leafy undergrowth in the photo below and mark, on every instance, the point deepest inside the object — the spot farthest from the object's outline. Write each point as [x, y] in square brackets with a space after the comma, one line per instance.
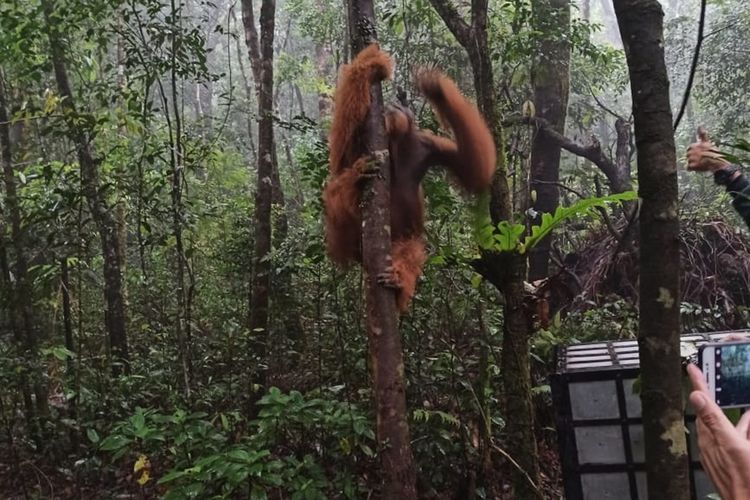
[296, 447]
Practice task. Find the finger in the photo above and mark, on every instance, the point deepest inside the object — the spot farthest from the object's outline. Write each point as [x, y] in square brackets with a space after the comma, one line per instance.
[702, 134]
[697, 379]
[709, 413]
[743, 426]
[735, 336]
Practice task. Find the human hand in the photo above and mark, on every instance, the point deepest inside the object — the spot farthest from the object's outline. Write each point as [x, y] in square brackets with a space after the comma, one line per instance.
[724, 449]
[702, 156]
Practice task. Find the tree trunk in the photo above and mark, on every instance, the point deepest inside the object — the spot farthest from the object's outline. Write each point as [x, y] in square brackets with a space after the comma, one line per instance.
[323, 65]
[386, 354]
[249, 93]
[93, 192]
[641, 28]
[19, 289]
[616, 171]
[282, 295]
[506, 271]
[182, 325]
[551, 81]
[263, 70]
[70, 346]
[121, 207]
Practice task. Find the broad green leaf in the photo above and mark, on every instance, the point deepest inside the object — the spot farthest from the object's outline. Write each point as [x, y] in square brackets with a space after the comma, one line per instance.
[581, 207]
[114, 442]
[93, 436]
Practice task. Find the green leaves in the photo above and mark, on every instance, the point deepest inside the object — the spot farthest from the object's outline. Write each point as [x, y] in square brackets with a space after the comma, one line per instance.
[59, 352]
[582, 207]
[199, 458]
[93, 436]
[506, 237]
[114, 442]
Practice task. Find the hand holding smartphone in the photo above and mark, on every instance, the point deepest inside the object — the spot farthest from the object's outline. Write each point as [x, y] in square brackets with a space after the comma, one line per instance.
[726, 366]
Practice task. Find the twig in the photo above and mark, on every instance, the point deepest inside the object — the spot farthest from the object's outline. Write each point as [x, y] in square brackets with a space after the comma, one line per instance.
[517, 466]
[561, 186]
[604, 214]
[723, 28]
[601, 105]
[694, 65]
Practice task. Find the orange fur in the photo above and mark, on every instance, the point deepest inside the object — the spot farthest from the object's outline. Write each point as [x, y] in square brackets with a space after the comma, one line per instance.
[351, 104]
[408, 258]
[342, 228]
[471, 159]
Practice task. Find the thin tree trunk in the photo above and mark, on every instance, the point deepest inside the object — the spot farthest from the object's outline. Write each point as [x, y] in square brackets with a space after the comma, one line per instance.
[67, 311]
[92, 191]
[551, 81]
[177, 160]
[263, 72]
[248, 95]
[69, 344]
[322, 65]
[642, 31]
[506, 271]
[121, 208]
[386, 355]
[19, 291]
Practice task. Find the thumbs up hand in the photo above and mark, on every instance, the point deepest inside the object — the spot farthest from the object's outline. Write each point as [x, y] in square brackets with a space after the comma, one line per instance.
[702, 156]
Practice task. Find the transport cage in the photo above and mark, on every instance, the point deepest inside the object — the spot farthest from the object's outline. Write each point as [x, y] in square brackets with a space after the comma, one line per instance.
[599, 426]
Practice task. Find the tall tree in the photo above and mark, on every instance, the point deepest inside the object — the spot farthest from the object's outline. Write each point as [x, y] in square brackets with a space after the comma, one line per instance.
[261, 278]
[94, 193]
[642, 32]
[183, 320]
[551, 82]
[19, 289]
[505, 270]
[282, 294]
[386, 354]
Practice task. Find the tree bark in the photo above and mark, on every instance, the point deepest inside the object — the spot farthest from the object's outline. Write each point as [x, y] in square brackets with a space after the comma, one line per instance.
[19, 290]
[67, 312]
[183, 321]
[93, 192]
[551, 81]
[386, 354]
[323, 67]
[506, 271]
[641, 28]
[263, 71]
[249, 93]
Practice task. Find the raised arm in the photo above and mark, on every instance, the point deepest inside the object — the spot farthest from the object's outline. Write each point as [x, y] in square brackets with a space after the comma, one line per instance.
[471, 158]
[351, 104]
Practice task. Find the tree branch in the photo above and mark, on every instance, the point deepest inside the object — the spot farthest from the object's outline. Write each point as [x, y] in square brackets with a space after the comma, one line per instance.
[453, 20]
[592, 152]
[693, 66]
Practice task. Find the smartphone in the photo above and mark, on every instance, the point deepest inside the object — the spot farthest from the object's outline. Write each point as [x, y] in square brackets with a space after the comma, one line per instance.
[726, 366]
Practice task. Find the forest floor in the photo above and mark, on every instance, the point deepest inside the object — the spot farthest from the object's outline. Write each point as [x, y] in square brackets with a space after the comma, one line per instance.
[27, 478]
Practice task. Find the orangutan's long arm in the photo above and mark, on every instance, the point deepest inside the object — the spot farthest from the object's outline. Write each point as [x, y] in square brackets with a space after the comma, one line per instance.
[351, 104]
[471, 158]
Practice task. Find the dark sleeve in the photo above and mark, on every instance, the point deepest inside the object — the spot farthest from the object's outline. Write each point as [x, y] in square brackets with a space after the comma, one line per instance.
[739, 190]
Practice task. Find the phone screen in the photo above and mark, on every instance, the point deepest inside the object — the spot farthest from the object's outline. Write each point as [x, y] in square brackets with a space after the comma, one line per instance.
[733, 374]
